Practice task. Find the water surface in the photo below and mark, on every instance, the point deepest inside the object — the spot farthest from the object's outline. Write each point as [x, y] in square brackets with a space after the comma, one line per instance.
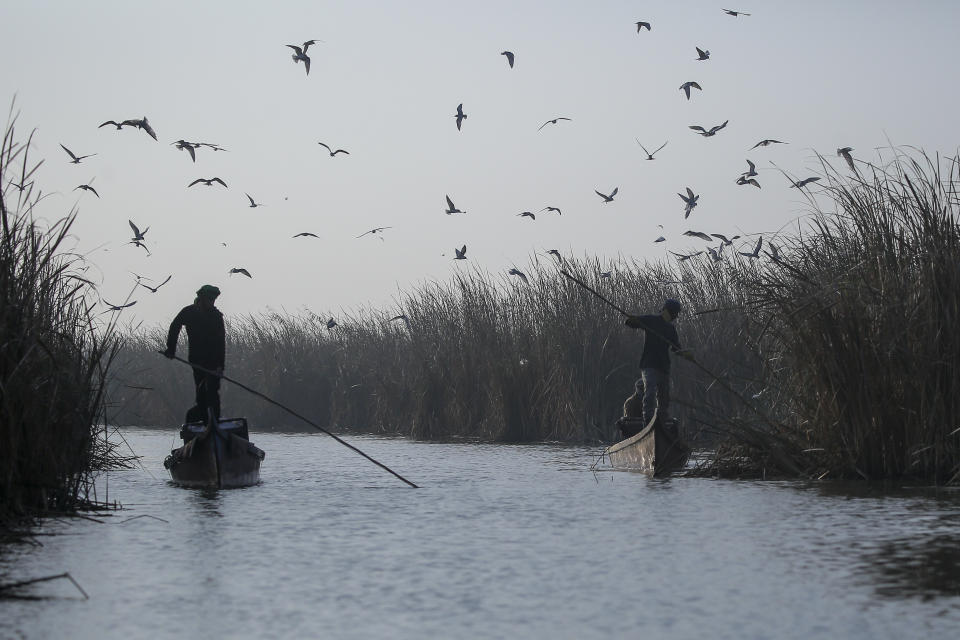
[499, 542]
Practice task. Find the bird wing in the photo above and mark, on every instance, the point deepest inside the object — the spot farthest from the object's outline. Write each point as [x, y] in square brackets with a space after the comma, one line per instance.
[252, 203]
[306, 63]
[544, 124]
[660, 147]
[599, 194]
[195, 182]
[695, 85]
[69, 152]
[719, 126]
[297, 49]
[700, 52]
[752, 170]
[697, 127]
[324, 144]
[89, 188]
[220, 181]
[114, 123]
[720, 236]
[643, 147]
[146, 127]
[341, 151]
[193, 154]
[450, 204]
[136, 231]
[165, 281]
[614, 192]
[691, 194]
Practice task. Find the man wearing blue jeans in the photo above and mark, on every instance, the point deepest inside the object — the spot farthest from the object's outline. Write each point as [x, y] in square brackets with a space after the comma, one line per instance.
[660, 339]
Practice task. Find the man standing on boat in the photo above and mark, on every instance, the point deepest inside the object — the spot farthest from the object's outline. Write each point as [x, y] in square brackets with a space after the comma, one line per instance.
[207, 348]
[661, 338]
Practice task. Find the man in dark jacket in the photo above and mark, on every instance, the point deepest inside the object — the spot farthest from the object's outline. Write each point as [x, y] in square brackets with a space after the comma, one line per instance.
[207, 348]
[661, 338]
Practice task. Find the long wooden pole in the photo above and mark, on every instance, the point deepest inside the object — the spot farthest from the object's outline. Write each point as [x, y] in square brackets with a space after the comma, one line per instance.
[293, 413]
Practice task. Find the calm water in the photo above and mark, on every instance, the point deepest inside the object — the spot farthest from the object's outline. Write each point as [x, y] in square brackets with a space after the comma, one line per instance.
[500, 542]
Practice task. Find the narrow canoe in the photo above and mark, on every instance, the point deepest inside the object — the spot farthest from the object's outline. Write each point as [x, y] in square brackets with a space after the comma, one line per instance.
[657, 449]
[220, 457]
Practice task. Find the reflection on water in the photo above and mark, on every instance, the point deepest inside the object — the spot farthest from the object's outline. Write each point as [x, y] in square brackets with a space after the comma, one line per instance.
[500, 542]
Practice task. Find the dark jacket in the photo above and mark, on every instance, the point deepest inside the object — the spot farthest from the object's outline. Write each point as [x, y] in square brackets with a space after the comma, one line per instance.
[205, 333]
[661, 338]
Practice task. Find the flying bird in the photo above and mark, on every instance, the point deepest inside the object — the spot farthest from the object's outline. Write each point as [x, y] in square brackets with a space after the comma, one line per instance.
[374, 231]
[527, 214]
[555, 254]
[701, 54]
[712, 131]
[461, 253]
[306, 234]
[735, 14]
[691, 201]
[451, 208]
[332, 152]
[554, 121]
[660, 239]
[799, 184]
[252, 203]
[686, 86]
[608, 198]
[650, 155]
[715, 253]
[509, 55]
[85, 187]
[207, 181]
[189, 147]
[766, 143]
[681, 257]
[156, 288]
[845, 154]
[643, 25]
[137, 234]
[460, 115]
[300, 53]
[724, 239]
[698, 234]
[241, 271]
[118, 307]
[552, 209]
[756, 250]
[331, 323]
[751, 170]
[76, 158]
[743, 180]
[520, 274]
[118, 125]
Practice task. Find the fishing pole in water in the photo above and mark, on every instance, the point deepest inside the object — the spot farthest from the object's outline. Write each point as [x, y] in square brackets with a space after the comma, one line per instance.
[293, 413]
[690, 358]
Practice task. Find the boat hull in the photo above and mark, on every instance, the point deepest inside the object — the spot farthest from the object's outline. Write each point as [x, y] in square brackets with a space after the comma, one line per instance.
[218, 458]
[656, 450]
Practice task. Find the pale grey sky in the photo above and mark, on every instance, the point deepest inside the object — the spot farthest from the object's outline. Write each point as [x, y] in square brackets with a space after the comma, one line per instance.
[385, 84]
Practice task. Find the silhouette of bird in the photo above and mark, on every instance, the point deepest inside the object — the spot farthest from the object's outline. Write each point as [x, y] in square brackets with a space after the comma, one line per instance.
[555, 254]
[660, 239]
[520, 274]
[332, 152]
[461, 253]
[527, 214]
[756, 250]
[76, 158]
[643, 25]
[118, 307]
[210, 145]
[552, 209]
[241, 271]
[799, 184]
[698, 234]
[306, 234]
[554, 121]
[715, 253]
[451, 208]
[686, 86]
[774, 253]
[751, 170]
[691, 201]
[300, 53]
[460, 115]
[85, 187]
[118, 125]
[252, 203]
[156, 288]
[331, 323]
[21, 186]
[681, 257]
[845, 154]
[650, 155]
[137, 234]
[207, 181]
[706, 133]
[189, 147]
[724, 239]
[143, 124]
[766, 143]
[735, 14]
[743, 180]
[608, 198]
[374, 231]
[701, 54]
[509, 55]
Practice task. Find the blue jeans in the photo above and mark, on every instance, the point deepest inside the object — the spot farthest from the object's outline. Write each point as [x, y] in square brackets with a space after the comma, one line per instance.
[656, 395]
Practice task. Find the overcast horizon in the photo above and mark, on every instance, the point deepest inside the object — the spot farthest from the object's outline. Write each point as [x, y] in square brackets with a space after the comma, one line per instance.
[384, 84]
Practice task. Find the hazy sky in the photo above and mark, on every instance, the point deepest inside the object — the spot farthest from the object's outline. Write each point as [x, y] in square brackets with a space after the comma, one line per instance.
[385, 84]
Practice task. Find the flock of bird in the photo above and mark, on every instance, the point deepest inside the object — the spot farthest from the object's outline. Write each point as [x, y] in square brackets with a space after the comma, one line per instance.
[300, 54]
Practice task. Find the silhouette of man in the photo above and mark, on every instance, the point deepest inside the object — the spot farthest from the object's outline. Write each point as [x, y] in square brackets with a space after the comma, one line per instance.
[206, 348]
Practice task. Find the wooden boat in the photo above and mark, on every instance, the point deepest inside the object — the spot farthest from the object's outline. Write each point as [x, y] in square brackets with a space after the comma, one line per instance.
[220, 456]
[655, 449]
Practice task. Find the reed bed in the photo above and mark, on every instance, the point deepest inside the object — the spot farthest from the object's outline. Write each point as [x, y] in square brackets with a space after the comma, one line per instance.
[832, 355]
[54, 356]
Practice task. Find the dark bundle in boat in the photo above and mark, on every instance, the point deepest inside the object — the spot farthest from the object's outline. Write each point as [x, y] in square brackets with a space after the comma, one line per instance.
[216, 455]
